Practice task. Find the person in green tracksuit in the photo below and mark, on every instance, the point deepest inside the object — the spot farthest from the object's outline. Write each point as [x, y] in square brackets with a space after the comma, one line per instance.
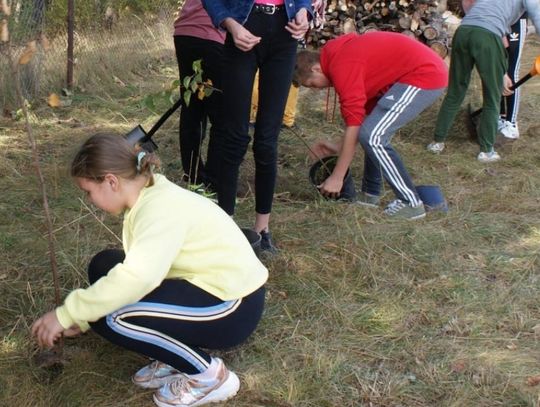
[478, 42]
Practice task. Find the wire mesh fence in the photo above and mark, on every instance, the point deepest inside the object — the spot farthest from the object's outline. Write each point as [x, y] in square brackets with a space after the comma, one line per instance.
[112, 39]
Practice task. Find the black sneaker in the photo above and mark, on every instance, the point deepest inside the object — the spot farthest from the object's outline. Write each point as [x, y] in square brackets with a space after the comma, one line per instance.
[267, 245]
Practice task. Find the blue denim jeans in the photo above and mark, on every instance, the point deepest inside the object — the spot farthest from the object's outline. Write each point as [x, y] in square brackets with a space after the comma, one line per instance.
[219, 10]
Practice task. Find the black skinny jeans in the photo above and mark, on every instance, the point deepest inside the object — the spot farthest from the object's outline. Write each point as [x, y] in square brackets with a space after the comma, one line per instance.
[274, 56]
[194, 117]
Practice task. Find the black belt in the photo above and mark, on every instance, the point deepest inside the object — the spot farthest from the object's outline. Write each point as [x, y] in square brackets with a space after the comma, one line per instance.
[267, 8]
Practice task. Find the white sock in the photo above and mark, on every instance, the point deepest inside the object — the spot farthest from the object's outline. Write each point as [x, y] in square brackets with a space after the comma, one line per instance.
[209, 375]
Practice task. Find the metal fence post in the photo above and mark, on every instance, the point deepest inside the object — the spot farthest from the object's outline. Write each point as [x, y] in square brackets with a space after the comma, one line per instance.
[70, 27]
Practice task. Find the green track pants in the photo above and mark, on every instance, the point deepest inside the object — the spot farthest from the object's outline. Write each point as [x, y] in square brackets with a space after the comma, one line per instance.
[474, 46]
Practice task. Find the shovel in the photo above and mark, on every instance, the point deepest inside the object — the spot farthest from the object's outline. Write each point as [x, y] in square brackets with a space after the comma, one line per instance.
[138, 136]
[471, 114]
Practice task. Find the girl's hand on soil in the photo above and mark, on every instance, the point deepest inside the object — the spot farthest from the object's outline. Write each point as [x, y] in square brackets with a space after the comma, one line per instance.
[243, 39]
[299, 26]
[323, 149]
[507, 85]
[331, 187]
[72, 331]
[47, 330]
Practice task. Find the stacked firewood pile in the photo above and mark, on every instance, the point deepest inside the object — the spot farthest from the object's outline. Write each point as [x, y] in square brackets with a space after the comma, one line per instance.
[455, 6]
[420, 19]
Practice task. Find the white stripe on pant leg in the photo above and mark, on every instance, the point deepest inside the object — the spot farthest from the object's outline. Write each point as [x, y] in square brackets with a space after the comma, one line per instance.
[383, 126]
[376, 144]
[517, 92]
[148, 309]
[158, 339]
[116, 321]
[386, 161]
[375, 140]
[379, 150]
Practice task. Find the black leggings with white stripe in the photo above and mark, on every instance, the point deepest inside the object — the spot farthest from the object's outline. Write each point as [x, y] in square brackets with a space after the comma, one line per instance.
[516, 41]
[175, 320]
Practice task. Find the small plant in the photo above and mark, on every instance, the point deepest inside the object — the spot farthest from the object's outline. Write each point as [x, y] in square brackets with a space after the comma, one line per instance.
[201, 189]
[190, 85]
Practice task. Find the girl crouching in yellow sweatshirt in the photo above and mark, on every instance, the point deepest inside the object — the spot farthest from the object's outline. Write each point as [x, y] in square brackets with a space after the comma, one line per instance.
[187, 278]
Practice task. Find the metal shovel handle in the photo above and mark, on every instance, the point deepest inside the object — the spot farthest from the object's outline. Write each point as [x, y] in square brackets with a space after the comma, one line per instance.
[533, 72]
[163, 118]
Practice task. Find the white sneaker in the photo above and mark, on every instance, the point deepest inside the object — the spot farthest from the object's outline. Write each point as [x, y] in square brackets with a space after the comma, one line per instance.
[185, 391]
[501, 122]
[155, 375]
[490, 157]
[510, 130]
[435, 147]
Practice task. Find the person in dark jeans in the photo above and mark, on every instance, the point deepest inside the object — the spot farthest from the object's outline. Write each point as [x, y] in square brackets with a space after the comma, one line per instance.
[195, 38]
[259, 36]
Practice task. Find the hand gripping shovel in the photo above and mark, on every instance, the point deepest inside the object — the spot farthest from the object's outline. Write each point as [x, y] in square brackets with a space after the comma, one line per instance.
[138, 136]
[472, 114]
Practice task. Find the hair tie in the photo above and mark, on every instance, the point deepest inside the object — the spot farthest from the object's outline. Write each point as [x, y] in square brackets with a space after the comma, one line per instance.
[140, 157]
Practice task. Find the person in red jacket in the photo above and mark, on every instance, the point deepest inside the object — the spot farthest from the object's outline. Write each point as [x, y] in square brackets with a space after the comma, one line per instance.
[383, 80]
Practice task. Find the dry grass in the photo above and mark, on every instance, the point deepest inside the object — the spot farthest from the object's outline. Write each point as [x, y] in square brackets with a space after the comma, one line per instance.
[361, 311]
[110, 63]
